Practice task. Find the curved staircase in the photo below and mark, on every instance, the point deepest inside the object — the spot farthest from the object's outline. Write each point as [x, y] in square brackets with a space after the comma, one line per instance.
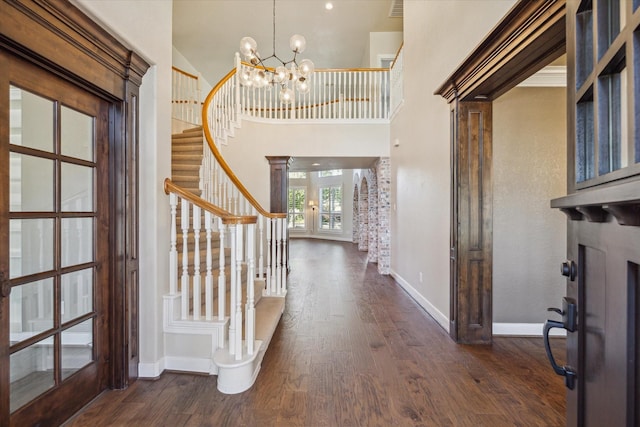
[206, 272]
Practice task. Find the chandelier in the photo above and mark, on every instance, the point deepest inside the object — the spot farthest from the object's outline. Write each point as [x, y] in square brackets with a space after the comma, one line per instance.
[260, 75]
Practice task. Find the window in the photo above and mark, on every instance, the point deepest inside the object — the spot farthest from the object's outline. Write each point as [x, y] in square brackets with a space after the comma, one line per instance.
[331, 208]
[297, 175]
[332, 172]
[296, 204]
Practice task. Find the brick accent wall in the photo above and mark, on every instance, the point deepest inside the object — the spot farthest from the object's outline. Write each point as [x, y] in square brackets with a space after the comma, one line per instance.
[363, 216]
[384, 215]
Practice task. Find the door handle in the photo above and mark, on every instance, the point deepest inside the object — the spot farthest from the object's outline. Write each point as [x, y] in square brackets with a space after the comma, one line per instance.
[566, 371]
[569, 318]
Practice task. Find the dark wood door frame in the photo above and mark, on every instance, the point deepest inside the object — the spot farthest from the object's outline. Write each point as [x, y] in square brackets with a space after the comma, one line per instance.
[529, 37]
[59, 38]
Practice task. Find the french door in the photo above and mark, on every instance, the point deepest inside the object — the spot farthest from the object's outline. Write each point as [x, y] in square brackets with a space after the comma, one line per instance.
[54, 258]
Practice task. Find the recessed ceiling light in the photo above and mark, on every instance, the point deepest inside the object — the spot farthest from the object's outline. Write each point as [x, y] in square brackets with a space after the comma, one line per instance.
[328, 5]
[315, 164]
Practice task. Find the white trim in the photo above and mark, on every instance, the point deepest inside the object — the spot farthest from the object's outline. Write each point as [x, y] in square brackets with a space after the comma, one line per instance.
[549, 76]
[151, 370]
[525, 330]
[191, 364]
[437, 315]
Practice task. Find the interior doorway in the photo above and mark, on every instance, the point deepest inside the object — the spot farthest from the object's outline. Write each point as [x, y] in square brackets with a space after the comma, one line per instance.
[529, 37]
[529, 169]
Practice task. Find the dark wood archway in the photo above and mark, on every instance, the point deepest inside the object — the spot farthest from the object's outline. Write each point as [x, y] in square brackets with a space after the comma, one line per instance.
[529, 37]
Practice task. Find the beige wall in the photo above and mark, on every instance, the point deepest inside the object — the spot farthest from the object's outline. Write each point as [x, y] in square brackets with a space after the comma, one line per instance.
[438, 35]
[246, 151]
[145, 26]
[529, 169]
[383, 43]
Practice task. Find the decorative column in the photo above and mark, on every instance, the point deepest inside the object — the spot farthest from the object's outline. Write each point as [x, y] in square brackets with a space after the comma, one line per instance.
[279, 182]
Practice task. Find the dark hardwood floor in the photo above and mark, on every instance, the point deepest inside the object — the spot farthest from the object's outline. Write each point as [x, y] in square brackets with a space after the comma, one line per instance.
[353, 349]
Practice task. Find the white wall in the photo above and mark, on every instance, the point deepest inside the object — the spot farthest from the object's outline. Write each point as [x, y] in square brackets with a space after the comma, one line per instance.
[529, 238]
[438, 35]
[246, 152]
[145, 26]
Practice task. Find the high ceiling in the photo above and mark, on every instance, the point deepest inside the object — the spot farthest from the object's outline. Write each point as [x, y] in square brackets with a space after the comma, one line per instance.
[208, 32]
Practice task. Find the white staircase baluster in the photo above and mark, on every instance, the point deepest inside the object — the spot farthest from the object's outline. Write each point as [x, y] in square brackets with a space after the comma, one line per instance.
[251, 314]
[197, 223]
[208, 292]
[234, 291]
[261, 247]
[173, 251]
[274, 255]
[184, 286]
[284, 256]
[238, 307]
[222, 278]
[279, 247]
[269, 252]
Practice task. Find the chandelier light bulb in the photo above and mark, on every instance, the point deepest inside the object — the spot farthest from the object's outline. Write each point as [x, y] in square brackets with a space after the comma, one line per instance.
[259, 77]
[306, 67]
[286, 95]
[302, 86]
[245, 78]
[280, 74]
[297, 43]
[248, 47]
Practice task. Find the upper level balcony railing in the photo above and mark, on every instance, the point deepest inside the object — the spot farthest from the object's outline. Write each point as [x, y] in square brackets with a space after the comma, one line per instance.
[362, 94]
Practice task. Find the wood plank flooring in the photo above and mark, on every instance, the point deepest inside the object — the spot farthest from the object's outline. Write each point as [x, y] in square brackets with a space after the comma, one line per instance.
[353, 349]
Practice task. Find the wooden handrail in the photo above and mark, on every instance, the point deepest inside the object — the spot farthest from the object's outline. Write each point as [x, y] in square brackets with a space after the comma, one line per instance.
[396, 57]
[178, 70]
[322, 70]
[223, 164]
[227, 217]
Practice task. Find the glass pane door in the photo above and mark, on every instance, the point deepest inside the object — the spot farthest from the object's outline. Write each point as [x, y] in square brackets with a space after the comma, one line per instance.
[52, 231]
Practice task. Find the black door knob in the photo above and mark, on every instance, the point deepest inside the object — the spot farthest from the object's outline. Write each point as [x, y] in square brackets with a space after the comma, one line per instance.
[569, 269]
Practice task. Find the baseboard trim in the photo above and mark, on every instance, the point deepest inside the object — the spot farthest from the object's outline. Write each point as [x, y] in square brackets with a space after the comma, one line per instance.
[437, 315]
[151, 370]
[525, 330]
[191, 364]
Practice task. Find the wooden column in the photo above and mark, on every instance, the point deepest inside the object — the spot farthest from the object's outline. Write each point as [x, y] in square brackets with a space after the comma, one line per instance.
[473, 247]
[279, 182]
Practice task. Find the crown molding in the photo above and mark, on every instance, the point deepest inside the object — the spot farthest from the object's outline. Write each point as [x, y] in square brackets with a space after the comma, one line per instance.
[531, 34]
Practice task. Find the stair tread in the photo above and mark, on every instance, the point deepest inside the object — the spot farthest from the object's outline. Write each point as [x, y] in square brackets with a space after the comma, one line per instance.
[268, 313]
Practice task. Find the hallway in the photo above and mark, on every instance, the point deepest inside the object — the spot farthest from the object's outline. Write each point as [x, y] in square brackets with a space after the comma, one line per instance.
[353, 349]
